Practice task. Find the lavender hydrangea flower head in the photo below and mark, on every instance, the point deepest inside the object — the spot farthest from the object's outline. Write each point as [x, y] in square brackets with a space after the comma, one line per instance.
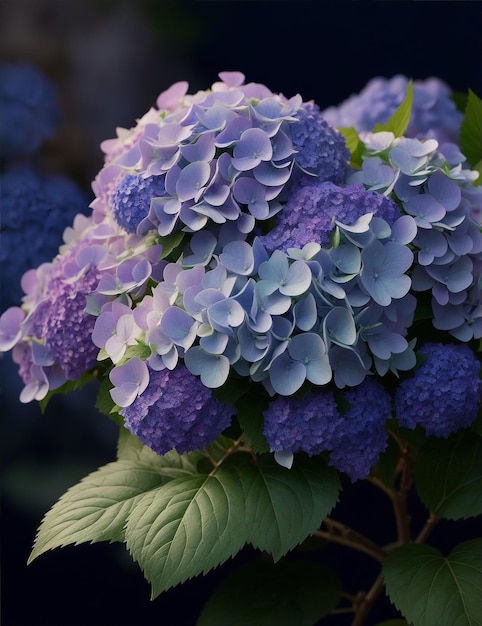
[176, 411]
[444, 393]
[30, 114]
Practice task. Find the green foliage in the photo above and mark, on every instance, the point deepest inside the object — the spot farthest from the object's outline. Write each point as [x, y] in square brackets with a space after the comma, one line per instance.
[471, 133]
[67, 387]
[448, 475]
[178, 523]
[430, 589]
[262, 593]
[354, 144]
[393, 622]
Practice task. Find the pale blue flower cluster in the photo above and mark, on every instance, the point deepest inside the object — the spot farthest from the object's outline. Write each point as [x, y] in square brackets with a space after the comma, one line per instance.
[230, 238]
[436, 189]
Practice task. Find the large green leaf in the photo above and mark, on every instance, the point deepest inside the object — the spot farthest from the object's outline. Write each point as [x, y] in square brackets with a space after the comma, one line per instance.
[96, 509]
[284, 506]
[448, 475]
[192, 524]
[261, 593]
[430, 589]
[187, 527]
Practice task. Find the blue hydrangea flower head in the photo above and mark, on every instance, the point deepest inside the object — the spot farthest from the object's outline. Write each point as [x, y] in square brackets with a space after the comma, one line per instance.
[28, 101]
[132, 199]
[36, 208]
[176, 411]
[360, 435]
[295, 424]
[311, 211]
[444, 392]
[321, 149]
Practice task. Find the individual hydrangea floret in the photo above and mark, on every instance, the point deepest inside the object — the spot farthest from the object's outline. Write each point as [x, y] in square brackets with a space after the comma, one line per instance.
[310, 214]
[36, 208]
[30, 115]
[176, 411]
[444, 392]
[132, 199]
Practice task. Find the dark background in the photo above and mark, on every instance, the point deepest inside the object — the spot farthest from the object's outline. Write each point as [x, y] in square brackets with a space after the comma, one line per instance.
[110, 60]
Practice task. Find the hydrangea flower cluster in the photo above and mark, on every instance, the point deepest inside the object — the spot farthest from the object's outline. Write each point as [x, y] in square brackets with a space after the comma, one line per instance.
[30, 115]
[434, 113]
[230, 237]
[36, 208]
[443, 394]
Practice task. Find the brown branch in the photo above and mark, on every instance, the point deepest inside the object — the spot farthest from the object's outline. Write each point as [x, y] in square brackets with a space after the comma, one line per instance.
[344, 535]
[365, 602]
[430, 524]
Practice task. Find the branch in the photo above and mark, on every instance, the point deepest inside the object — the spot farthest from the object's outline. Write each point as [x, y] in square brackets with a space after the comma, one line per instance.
[366, 601]
[430, 524]
[342, 534]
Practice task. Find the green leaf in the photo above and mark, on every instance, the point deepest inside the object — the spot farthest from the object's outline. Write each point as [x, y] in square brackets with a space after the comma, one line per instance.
[284, 506]
[430, 589]
[96, 509]
[250, 418]
[353, 143]
[448, 475]
[67, 387]
[187, 527]
[261, 593]
[104, 403]
[471, 130]
[398, 122]
[393, 622]
[171, 242]
[193, 524]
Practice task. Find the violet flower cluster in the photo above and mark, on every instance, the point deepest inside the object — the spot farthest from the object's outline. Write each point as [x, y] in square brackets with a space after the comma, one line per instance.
[229, 237]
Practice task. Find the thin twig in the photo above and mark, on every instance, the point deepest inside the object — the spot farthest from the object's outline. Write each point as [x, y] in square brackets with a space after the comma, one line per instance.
[430, 524]
[342, 534]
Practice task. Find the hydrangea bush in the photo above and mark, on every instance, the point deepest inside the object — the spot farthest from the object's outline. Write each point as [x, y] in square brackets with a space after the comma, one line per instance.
[277, 302]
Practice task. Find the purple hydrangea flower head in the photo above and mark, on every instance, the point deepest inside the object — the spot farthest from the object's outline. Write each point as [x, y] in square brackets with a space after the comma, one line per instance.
[360, 436]
[176, 411]
[30, 115]
[444, 393]
[321, 149]
[434, 114]
[66, 327]
[310, 213]
[132, 199]
[296, 424]
[36, 208]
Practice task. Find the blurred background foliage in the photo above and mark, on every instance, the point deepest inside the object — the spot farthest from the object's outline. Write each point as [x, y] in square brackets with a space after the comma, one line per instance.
[109, 59]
